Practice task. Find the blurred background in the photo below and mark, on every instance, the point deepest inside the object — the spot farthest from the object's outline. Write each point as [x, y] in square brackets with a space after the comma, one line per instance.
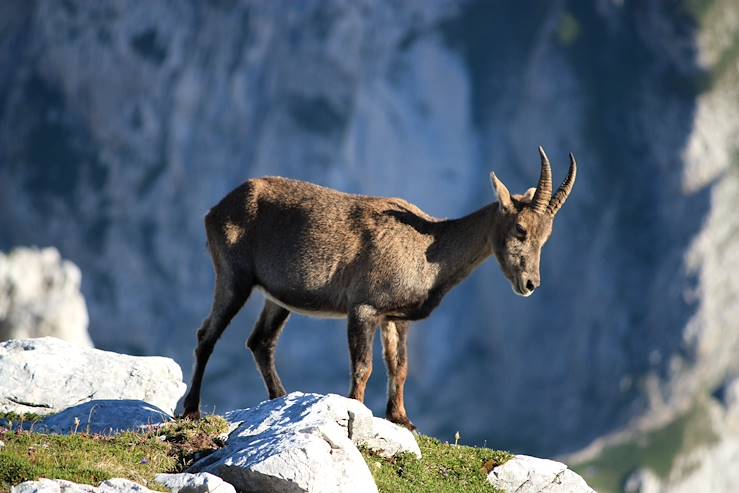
[121, 123]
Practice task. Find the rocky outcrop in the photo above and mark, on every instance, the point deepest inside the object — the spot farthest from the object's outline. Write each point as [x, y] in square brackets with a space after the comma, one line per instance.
[40, 296]
[104, 417]
[305, 443]
[48, 375]
[524, 474]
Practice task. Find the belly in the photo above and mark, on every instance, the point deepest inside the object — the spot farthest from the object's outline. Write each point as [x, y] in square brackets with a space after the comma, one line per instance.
[306, 309]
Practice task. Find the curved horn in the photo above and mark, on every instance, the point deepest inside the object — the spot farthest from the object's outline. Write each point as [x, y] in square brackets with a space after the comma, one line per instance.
[544, 189]
[564, 189]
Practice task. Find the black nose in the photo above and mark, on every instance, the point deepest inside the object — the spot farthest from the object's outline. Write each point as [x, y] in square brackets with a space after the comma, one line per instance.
[530, 285]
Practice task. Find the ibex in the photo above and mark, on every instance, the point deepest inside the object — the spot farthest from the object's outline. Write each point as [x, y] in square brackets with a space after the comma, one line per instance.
[375, 261]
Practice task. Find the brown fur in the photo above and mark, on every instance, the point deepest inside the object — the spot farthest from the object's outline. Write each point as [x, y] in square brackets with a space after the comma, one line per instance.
[376, 261]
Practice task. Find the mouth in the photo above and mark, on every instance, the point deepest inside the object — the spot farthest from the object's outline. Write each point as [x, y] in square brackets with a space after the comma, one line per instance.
[520, 290]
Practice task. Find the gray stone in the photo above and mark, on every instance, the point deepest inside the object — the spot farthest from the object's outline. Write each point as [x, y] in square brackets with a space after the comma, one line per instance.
[40, 296]
[202, 482]
[525, 474]
[297, 408]
[388, 439]
[315, 458]
[48, 375]
[52, 486]
[104, 417]
[118, 485]
[62, 486]
[298, 443]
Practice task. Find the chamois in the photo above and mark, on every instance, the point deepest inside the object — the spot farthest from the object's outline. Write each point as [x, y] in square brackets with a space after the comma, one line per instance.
[375, 261]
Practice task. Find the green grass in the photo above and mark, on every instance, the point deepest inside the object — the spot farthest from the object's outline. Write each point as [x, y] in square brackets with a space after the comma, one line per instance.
[91, 459]
[12, 419]
[444, 468]
[655, 450]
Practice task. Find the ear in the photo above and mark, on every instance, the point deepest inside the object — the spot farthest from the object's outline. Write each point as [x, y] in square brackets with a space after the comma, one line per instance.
[504, 196]
[527, 197]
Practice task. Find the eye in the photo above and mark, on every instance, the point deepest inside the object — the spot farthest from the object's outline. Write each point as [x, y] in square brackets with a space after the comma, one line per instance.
[520, 232]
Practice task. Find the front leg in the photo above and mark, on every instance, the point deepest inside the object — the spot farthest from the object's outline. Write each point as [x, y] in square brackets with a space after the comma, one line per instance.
[363, 321]
[395, 349]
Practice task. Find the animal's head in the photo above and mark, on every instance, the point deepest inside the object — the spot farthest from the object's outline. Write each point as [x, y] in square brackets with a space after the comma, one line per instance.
[524, 224]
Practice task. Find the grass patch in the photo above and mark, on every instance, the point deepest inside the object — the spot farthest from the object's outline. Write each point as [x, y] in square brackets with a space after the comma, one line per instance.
[444, 468]
[655, 450]
[11, 420]
[91, 459]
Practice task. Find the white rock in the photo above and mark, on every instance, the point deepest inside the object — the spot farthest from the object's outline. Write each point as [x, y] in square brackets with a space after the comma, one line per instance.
[524, 474]
[48, 375]
[194, 483]
[52, 486]
[317, 458]
[119, 485]
[297, 408]
[40, 296]
[304, 442]
[62, 486]
[102, 417]
[388, 439]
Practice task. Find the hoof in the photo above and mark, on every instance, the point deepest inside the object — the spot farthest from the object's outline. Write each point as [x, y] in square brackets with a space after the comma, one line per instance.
[402, 421]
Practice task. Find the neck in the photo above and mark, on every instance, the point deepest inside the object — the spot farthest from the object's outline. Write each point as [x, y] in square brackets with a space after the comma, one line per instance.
[462, 245]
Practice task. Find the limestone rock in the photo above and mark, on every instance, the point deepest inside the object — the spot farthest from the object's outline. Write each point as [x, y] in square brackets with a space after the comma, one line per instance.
[304, 443]
[52, 486]
[62, 486]
[377, 434]
[194, 483]
[388, 439]
[318, 458]
[104, 417]
[524, 474]
[48, 375]
[40, 296]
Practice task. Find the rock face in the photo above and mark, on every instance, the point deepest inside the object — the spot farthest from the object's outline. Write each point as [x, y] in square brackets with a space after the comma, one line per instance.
[304, 443]
[708, 465]
[48, 375]
[123, 123]
[524, 474]
[40, 296]
[104, 417]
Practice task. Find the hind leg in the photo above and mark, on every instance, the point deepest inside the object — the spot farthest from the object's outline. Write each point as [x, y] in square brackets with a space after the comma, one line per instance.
[395, 350]
[228, 299]
[262, 343]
